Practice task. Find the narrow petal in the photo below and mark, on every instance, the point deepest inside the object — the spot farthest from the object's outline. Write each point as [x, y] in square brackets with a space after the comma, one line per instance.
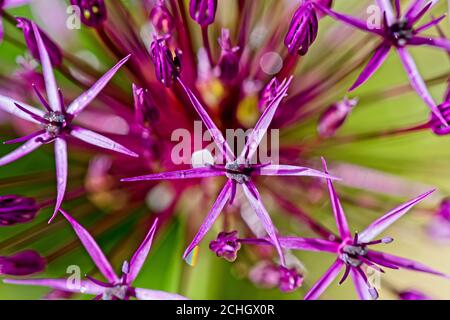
[61, 173]
[93, 249]
[308, 244]
[339, 215]
[23, 150]
[263, 123]
[212, 128]
[418, 83]
[284, 170]
[386, 7]
[86, 287]
[254, 198]
[413, 8]
[98, 140]
[47, 70]
[360, 285]
[359, 24]
[402, 263]
[203, 172]
[379, 56]
[2, 30]
[381, 224]
[432, 42]
[9, 105]
[86, 98]
[325, 281]
[432, 23]
[146, 294]
[216, 209]
[139, 257]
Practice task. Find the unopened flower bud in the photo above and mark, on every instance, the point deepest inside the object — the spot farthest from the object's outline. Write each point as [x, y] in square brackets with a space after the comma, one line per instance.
[92, 12]
[229, 59]
[146, 111]
[16, 209]
[290, 280]
[203, 11]
[334, 117]
[161, 18]
[167, 64]
[226, 245]
[22, 264]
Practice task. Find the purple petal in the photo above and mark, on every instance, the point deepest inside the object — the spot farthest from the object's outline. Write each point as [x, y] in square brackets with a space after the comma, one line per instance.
[381, 224]
[217, 136]
[61, 173]
[254, 198]
[325, 281]
[307, 244]
[404, 263]
[361, 287]
[264, 122]
[60, 284]
[84, 99]
[432, 23]
[284, 170]
[374, 64]
[339, 215]
[98, 140]
[9, 105]
[203, 172]
[360, 24]
[2, 31]
[23, 150]
[138, 259]
[433, 42]
[47, 70]
[146, 294]
[8, 4]
[216, 209]
[93, 249]
[414, 8]
[386, 7]
[417, 82]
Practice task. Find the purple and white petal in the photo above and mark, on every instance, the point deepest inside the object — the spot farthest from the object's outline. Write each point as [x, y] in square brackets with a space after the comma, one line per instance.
[379, 56]
[254, 198]
[99, 140]
[361, 287]
[339, 215]
[146, 294]
[325, 281]
[381, 224]
[386, 7]
[61, 173]
[217, 136]
[285, 170]
[380, 258]
[93, 249]
[215, 211]
[47, 70]
[263, 123]
[84, 99]
[8, 4]
[23, 150]
[432, 42]
[83, 286]
[139, 257]
[203, 172]
[418, 83]
[9, 105]
[309, 244]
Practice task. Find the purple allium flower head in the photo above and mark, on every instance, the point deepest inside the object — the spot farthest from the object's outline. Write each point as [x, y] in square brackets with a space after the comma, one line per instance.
[226, 245]
[53, 50]
[17, 209]
[203, 11]
[238, 170]
[92, 12]
[116, 287]
[9, 4]
[334, 117]
[398, 31]
[161, 18]
[229, 59]
[353, 253]
[56, 121]
[290, 279]
[167, 64]
[146, 111]
[23, 263]
[302, 30]
[413, 295]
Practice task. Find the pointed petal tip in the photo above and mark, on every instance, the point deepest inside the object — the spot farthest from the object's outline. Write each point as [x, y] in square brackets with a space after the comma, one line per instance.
[191, 256]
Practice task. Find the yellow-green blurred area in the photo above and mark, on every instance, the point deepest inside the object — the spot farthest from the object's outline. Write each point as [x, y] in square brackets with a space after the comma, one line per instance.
[420, 160]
